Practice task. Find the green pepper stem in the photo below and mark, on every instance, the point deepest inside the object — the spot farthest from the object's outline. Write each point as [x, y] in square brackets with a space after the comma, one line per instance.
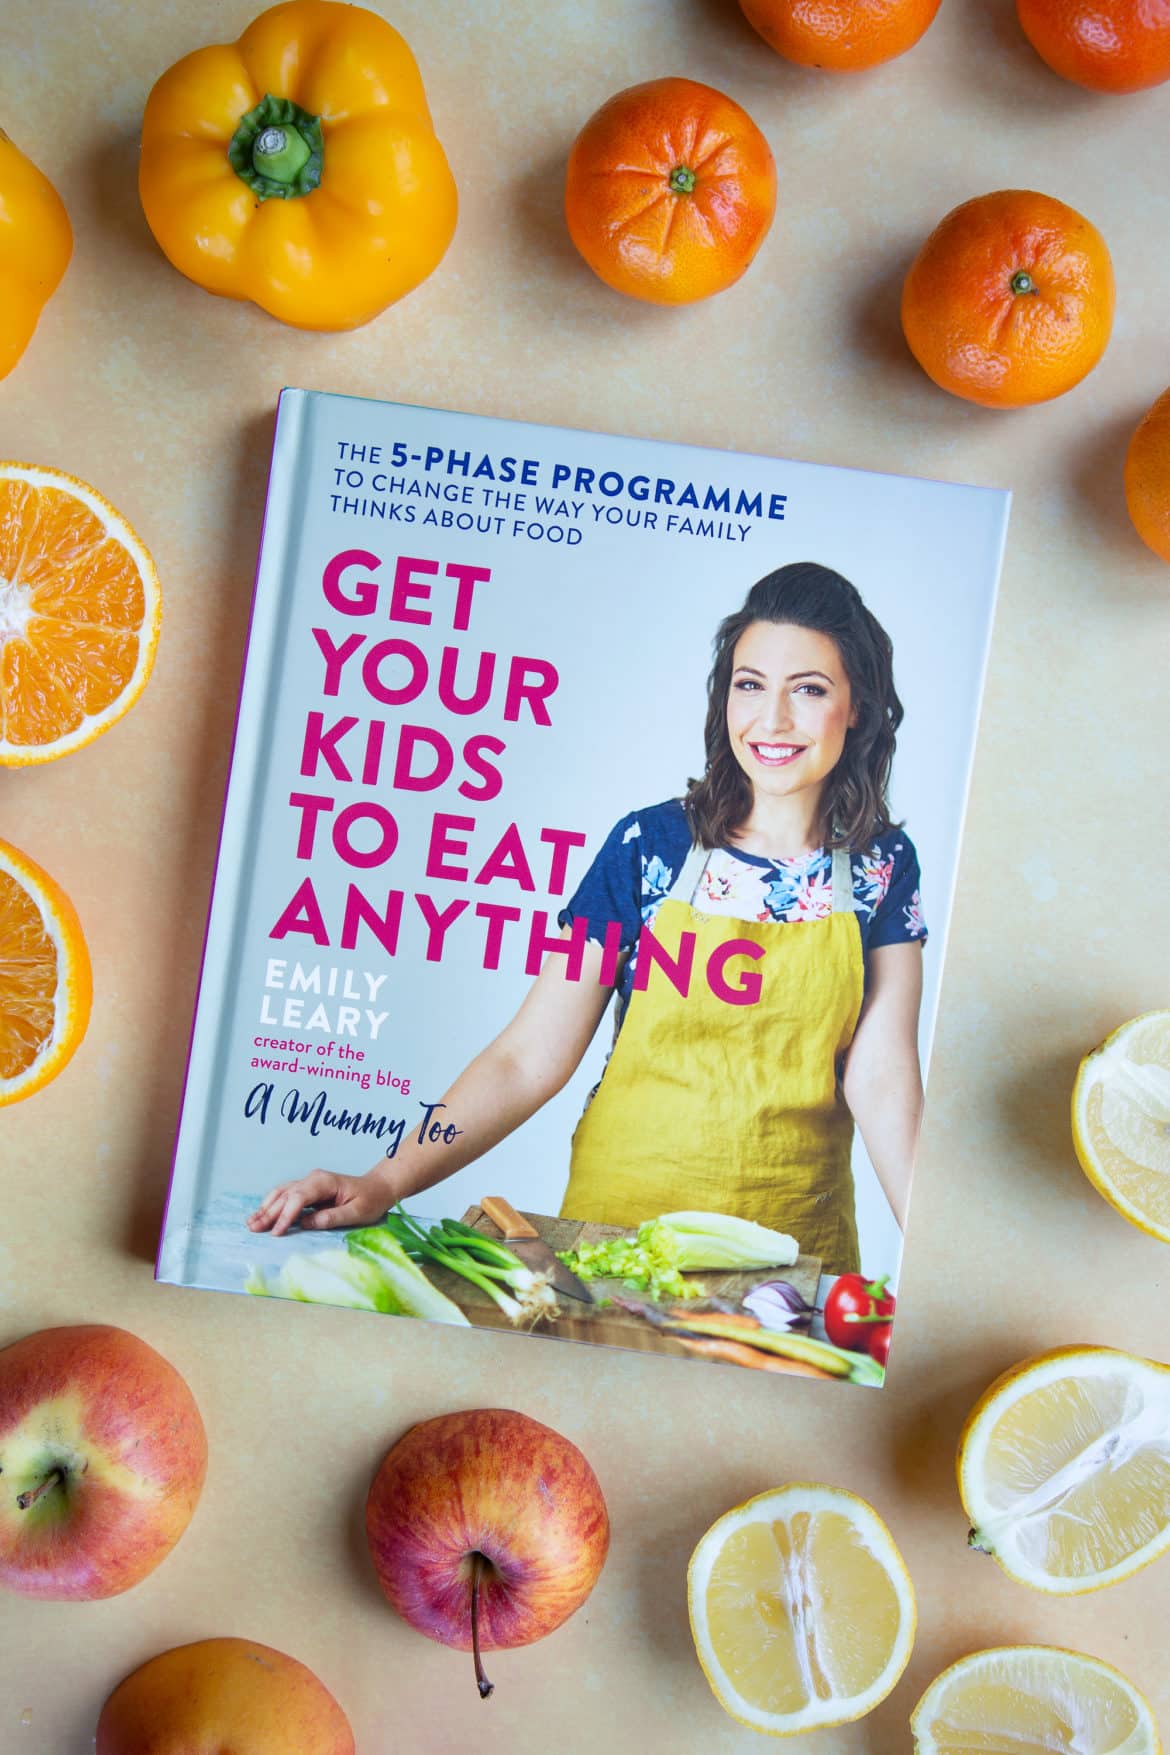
[277, 149]
[279, 153]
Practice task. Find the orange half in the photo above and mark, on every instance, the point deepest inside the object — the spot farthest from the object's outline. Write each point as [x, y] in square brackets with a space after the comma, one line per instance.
[80, 610]
[45, 981]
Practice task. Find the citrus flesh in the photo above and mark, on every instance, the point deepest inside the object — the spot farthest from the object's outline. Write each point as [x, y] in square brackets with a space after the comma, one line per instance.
[80, 609]
[802, 1610]
[1064, 1468]
[45, 983]
[1121, 1121]
[1032, 1700]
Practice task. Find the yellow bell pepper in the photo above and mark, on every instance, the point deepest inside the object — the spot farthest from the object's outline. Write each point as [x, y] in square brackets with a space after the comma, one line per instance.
[299, 167]
[36, 242]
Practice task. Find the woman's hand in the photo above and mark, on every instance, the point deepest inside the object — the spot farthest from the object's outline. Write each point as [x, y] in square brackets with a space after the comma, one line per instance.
[322, 1201]
[531, 1059]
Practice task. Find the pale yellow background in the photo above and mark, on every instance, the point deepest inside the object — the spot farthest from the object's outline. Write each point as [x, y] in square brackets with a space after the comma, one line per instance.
[162, 397]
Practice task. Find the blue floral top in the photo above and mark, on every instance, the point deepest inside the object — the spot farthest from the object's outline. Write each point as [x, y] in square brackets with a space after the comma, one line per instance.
[642, 854]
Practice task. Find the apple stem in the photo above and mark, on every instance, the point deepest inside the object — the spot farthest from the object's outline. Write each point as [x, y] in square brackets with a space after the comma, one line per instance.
[52, 1479]
[479, 1564]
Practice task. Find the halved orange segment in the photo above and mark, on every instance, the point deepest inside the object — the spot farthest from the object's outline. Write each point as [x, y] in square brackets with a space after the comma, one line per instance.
[45, 981]
[80, 610]
[801, 1608]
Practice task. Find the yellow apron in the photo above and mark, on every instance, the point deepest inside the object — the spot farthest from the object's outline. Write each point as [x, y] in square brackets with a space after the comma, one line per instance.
[733, 1108]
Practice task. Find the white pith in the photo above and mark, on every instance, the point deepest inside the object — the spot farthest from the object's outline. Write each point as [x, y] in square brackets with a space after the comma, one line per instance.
[14, 609]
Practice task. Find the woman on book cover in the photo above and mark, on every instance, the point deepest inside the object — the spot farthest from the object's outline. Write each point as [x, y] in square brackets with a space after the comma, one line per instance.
[801, 897]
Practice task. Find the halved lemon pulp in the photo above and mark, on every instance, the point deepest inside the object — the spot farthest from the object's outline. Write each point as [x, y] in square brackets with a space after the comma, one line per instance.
[1121, 1121]
[801, 1608]
[1064, 1468]
[1033, 1700]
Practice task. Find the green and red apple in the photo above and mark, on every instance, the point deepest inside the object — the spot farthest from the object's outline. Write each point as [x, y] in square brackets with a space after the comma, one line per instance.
[486, 1529]
[102, 1459]
[222, 1695]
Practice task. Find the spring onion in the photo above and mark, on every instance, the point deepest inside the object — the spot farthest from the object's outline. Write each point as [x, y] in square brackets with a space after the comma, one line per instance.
[521, 1294]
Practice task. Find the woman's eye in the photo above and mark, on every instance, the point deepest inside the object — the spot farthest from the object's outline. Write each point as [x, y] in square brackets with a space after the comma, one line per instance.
[810, 689]
[745, 682]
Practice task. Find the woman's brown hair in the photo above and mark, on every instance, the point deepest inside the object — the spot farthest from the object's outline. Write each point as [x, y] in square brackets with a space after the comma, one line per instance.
[854, 806]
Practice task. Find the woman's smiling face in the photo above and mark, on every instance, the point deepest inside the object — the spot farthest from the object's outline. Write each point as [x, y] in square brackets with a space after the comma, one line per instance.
[788, 707]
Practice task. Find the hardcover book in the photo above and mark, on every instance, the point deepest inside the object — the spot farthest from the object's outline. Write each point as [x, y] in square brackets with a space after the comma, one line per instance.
[587, 860]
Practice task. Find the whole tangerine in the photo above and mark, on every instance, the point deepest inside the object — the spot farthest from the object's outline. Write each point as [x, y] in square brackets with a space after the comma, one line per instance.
[844, 36]
[1010, 299]
[1147, 477]
[1106, 45]
[670, 191]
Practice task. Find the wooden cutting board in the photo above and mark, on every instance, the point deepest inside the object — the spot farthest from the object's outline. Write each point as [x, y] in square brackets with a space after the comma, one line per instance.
[608, 1326]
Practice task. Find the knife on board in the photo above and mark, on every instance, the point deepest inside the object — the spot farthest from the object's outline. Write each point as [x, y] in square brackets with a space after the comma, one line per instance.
[525, 1240]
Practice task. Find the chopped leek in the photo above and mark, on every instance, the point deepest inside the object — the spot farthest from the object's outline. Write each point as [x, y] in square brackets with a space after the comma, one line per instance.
[359, 1278]
[330, 1277]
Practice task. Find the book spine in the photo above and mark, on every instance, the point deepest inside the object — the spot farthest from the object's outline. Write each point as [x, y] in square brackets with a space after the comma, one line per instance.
[280, 538]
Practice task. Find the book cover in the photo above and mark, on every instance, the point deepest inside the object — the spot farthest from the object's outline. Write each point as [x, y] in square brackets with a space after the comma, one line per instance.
[586, 866]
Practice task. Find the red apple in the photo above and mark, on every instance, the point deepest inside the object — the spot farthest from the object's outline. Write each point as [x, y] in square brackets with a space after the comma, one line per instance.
[486, 1530]
[219, 1695]
[102, 1458]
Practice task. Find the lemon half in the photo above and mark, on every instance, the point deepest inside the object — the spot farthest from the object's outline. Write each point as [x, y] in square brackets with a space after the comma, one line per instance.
[1033, 1697]
[1121, 1121]
[802, 1610]
[1064, 1468]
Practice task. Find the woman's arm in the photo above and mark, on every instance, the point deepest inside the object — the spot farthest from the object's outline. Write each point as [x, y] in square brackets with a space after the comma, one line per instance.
[882, 1080]
[531, 1059]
